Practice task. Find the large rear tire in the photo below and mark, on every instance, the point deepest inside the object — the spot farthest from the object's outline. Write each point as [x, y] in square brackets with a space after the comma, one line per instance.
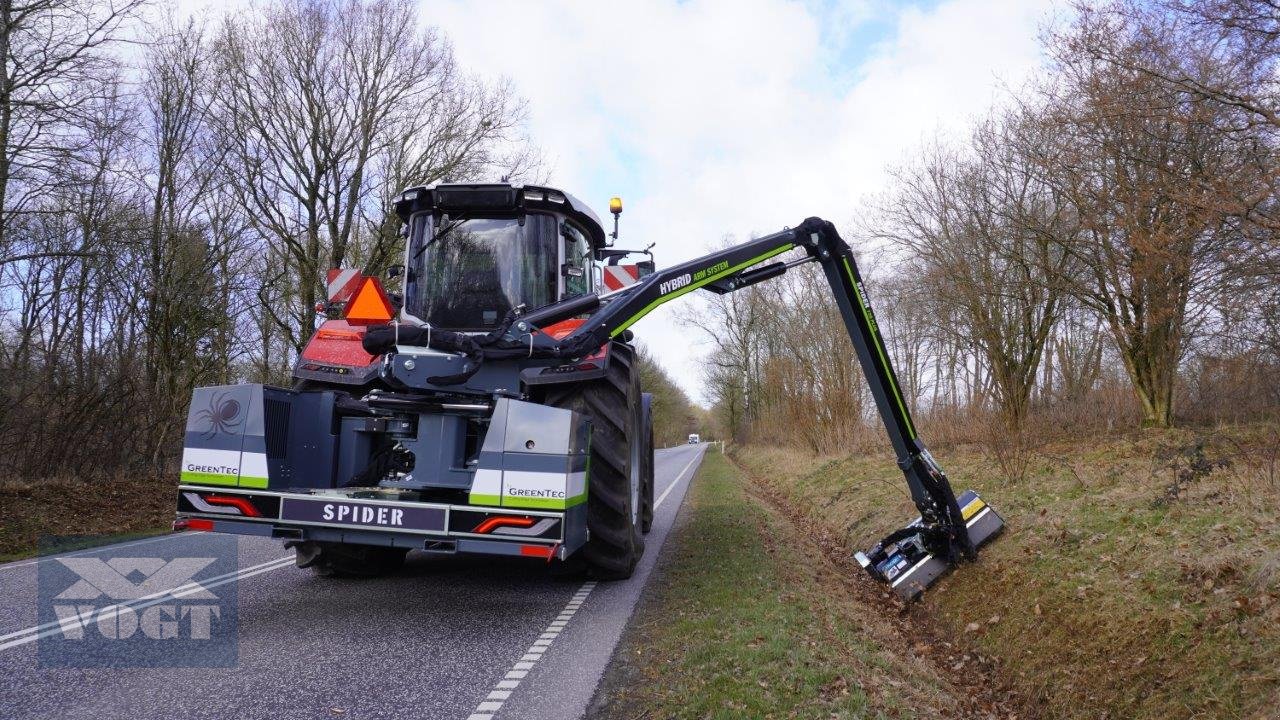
[615, 483]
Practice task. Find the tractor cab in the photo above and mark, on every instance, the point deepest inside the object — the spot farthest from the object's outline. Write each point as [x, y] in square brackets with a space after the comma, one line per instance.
[475, 252]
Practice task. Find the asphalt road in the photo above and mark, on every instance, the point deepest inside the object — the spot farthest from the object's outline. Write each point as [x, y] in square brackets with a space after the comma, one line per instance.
[447, 637]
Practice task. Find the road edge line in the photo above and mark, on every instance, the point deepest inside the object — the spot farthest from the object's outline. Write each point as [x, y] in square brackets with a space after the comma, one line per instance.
[502, 689]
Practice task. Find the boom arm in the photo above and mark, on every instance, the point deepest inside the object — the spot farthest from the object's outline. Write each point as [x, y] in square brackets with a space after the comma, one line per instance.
[740, 266]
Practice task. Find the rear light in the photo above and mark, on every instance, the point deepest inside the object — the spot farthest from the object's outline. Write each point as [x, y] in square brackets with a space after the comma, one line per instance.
[542, 551]
[199, 524]
[490, 524]
[245, 507]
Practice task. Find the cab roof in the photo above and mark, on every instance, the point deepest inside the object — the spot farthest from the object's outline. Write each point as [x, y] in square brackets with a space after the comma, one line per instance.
[499, 199]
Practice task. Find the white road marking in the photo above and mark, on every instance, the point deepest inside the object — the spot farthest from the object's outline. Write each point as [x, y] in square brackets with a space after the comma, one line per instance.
[31, 634]
[99, 548]
[520, 669]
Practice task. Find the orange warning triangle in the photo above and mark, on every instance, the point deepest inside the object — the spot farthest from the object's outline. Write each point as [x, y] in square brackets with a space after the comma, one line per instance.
[369, 306]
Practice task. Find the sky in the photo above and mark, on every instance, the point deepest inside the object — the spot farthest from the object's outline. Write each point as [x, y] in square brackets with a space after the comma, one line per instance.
[735, 117]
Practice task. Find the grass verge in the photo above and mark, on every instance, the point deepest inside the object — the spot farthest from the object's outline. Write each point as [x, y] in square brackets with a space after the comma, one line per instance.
[1138, 576]
[46, 516]
[747, 619]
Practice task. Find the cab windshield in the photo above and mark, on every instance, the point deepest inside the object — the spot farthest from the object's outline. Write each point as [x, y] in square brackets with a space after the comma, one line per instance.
[470, 272]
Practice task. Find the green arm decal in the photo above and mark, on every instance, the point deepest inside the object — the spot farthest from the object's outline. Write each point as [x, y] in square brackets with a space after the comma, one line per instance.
[697, 284]
[879, 344]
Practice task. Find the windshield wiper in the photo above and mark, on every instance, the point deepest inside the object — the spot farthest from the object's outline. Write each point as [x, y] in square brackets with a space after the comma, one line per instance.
[436, 233]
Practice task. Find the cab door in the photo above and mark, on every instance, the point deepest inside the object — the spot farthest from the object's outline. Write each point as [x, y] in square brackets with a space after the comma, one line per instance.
[577, 272]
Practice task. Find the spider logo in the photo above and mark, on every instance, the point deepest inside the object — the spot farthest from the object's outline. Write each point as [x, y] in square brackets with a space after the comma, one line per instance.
[222, 414]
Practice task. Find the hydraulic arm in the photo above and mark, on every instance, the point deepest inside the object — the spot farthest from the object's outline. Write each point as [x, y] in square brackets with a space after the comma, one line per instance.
[948, 528]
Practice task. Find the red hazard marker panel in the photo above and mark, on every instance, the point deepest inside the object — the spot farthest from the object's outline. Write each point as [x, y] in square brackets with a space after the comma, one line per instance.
[617, 277]
[342, 282]
[370, 305]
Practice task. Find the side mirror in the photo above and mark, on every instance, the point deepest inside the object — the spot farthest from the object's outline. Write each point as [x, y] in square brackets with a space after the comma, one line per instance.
[395, 271]
[646, 268]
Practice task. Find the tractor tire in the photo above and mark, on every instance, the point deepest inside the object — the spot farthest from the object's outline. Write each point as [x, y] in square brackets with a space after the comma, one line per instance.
[646, 459]
[614, 487]
[345, 560]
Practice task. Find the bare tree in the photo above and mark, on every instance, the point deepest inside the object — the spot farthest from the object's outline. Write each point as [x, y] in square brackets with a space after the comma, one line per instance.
[987, 233]
[1140, 161]
[185, 262]
[51, 53]
[737, 324]
[346, 94]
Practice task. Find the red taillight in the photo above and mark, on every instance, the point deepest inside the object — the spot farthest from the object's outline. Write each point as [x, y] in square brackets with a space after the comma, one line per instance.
[489, 524]
[542, 551]
[245, 507]
[199, 524]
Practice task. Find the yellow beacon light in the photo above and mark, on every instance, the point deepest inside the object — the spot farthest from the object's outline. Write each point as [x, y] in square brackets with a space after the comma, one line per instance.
[615, 207]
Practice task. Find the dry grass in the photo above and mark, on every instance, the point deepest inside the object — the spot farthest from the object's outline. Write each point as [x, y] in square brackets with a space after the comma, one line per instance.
[1139, 576]
[57, 514]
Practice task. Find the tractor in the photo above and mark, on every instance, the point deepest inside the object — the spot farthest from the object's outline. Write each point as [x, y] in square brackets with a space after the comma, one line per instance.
[494, 405]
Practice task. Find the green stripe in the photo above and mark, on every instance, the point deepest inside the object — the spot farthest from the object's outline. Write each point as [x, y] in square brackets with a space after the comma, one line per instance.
[203, 478]
[876, 340]
[694, 286]
[480, 499]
